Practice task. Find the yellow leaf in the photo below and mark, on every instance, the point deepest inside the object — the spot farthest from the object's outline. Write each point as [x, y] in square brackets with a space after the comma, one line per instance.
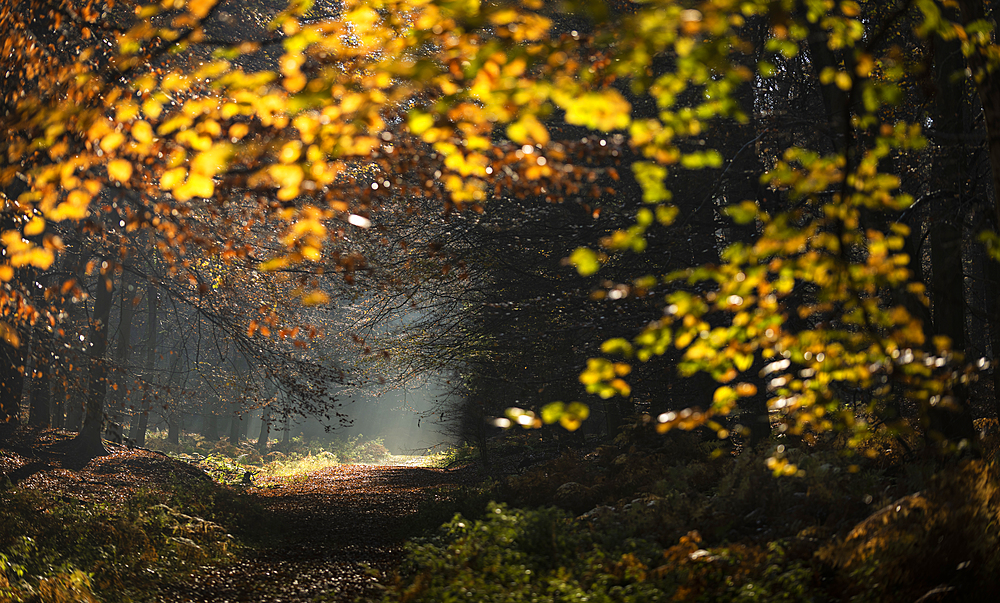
[142, 132]
[212, 160]
[843, 80]
[605, 110]
[171, 178]
[238, 131]
[315, 298]
[35, 256]
[152, 108]
[73, 208]
[200, 8]
[6, 272]
[9, 334]
[35, 227]
[112, 141]
[119, 169]
[528, 130]
[197, 185]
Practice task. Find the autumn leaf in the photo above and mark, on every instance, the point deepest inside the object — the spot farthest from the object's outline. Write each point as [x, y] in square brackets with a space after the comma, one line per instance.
[119, 170]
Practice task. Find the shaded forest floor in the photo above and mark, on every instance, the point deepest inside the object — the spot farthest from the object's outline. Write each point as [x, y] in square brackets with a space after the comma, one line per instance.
[326, 531]
[643, 518]
[148, 527]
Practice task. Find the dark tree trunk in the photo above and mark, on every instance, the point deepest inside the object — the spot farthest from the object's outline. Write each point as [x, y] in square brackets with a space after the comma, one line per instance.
[950, 422]
[236, 429]
[11, 381]
[265, 428]
[72, 402]
[122, 388]
[58, 398]
[210, 418]
[140, 420]
[174, 428]
[72, 390]
[987, 81]
[88, 443]
[39, 413]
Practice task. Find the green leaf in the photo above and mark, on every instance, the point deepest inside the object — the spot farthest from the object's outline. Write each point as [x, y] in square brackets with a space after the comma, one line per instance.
[650, 177]
[587, 261]
[605, 110]
[618, 345]
[743, 213]
[420, 122]
[574, 415]
[552, 412]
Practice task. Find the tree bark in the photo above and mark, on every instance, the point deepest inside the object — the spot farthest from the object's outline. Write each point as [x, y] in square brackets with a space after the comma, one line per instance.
[265, 428]
[88, 443]
[39, 414]
[174, 428]
[141, 420]
[987, 81]
[126, 313]
[12, 359]
[236, 429]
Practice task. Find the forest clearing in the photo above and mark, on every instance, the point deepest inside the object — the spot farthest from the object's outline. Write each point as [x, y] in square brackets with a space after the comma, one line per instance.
[691, 300]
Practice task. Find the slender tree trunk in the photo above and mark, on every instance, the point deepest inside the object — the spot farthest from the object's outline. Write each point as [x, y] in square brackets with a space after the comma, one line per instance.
[950, 421]
[73, 387]
[987, 81]
[58, 399]
[265, 428]
[174, 428]
[41, 383]
[12, 358]
[141, 419]
[88, 442]
[127, 312]
[210, 418]
[236, 429]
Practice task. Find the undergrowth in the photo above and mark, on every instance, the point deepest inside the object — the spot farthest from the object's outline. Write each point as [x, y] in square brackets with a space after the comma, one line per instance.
[62, 549]
[230, 464]
[653, 518]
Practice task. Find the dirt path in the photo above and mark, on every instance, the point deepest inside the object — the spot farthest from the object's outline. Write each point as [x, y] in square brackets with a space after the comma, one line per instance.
[331, 523]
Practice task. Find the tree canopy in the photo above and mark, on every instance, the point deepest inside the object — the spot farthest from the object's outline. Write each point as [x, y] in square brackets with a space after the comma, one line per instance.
[250, 143]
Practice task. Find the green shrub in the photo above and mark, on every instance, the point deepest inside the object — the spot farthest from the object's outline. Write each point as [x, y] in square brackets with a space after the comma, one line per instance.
[58, 548]
[544, 555]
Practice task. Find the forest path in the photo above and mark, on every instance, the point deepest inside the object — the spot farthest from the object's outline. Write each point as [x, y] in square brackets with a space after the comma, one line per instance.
[329, 523]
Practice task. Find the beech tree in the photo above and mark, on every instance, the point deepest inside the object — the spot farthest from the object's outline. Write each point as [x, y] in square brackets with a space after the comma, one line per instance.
[262, 151]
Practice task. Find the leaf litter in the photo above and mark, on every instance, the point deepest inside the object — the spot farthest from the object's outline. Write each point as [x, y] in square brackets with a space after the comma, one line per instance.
[329, 535]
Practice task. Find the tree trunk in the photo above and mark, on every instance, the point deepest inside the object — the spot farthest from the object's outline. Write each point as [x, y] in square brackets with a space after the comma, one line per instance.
[987, 81]
[174, 428]
[87, 443]
[141, 419]
[286, 438]
[72, 390]
[265, 428]
[58, 403]
[127, 312]
[12, 359]
[236, 430]
[39, 414]
[952, 422]
[210, 418]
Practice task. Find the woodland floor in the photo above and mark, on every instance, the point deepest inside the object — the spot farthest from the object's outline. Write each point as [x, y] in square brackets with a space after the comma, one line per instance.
[333, 524]
[325, 531]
